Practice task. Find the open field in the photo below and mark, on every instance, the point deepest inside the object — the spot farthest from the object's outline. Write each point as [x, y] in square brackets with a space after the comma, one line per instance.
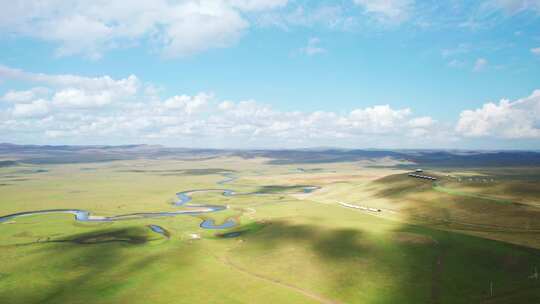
[270, 152]
[451, 241]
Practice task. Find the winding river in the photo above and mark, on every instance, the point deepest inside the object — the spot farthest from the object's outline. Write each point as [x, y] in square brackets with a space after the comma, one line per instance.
[182, 198]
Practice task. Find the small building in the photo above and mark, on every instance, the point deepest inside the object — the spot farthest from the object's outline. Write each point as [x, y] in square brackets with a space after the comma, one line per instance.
[422, 176]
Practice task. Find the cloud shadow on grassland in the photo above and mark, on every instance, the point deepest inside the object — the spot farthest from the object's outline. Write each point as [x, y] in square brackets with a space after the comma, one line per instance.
[83, 268]
[412, 264]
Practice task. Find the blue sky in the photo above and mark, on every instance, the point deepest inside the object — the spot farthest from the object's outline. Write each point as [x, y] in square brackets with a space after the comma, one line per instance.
[272, 73]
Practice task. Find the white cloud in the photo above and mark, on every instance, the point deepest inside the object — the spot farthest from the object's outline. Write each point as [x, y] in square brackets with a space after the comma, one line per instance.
[226, 105]
[423, 127]
[76, 98]
[201, 26]
[127, 85]
[251, 120]
[508, 119]
[257, 5]
[422, 122]
[18, 96]
[24, 95]
[189, 104]
[388, 10]
[80, 109]
[480, 64]
[77, 34]
[535, 51]
[378, 119]
[313, 47]
[92, 27]
[72, 91]
[248, 109]
[37, 108]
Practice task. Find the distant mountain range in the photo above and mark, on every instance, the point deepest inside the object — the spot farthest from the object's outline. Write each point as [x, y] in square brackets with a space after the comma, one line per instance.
[12, 154]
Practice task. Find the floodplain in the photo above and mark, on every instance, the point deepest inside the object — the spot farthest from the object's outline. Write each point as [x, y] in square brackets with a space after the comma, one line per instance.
[471, 236]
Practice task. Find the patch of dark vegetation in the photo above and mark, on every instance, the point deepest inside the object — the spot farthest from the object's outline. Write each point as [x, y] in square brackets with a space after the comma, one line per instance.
[229, 235]
[72, 159]
[205, 171]
[77, 191]
[279, 189]
[149, 171]
[127, 235]
[242, 230]
[4, 185]
[309, 170]
[88, 169]
[23, 234]
[8, 163]
[3, 275]
[17, 179]
[31, 171]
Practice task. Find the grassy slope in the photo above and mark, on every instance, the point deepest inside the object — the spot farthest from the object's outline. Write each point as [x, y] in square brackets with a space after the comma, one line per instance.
[427, 203]
[295, 248]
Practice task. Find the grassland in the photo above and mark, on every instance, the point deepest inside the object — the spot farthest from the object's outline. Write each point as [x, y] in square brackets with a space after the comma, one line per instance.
[454, 241]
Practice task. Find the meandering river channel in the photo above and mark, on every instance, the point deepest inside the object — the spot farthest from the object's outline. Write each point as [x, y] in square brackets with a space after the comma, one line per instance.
[182, 200]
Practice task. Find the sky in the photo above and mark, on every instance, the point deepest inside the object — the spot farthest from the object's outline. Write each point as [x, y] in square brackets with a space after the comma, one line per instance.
[387, 74]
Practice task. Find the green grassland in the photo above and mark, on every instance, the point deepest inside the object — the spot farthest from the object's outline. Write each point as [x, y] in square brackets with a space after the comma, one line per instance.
[453, 241]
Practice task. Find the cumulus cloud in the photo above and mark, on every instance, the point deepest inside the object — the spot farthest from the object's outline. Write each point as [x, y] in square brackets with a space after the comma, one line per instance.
[18, 96]
[77, 109]
[77, 98]
[91, 27]
[257, 5]
[36, 108]
[422, 122]
[71, 91]
[388, 10]
[254, 120]
[507, 119]
[536, 51]
[201, 26]
[24, 95]
[188, 104]
[377, 119]
[127, 85]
